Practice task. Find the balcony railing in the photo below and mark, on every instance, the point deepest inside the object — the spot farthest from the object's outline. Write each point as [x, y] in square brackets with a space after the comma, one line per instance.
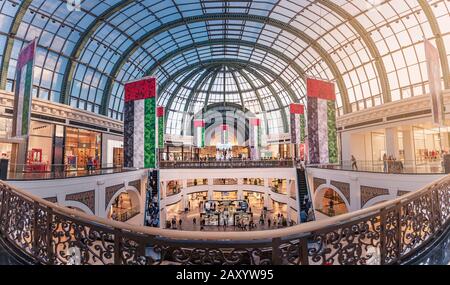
[388, 233]
[227, 164]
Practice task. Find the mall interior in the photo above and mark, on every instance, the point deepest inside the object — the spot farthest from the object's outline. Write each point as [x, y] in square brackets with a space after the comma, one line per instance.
[196, 132]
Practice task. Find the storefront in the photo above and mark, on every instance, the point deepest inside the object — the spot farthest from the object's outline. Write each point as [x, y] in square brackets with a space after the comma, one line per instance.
[82, 146]
[40, 147]
[278, 185]
[229, 195]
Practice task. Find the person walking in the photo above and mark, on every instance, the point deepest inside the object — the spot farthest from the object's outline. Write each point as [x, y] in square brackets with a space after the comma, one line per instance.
[354, 166]
[385, 166]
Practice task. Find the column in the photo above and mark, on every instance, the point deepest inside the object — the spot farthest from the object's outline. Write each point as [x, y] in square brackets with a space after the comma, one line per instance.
[346, 146]
[408, 146]
[163, 218]
[210, 191]
[391, 140]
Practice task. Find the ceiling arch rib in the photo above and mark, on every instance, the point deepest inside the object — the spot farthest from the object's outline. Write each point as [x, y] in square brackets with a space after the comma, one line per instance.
[439, 41]
[258, 96]
[294, 65]
[186, 48]
[239, 89]
[275, 95]
[370, 44]
[239, 17]
[200, 81]
[81, 43]
[180, 85]
[10, 41]
[229, 62]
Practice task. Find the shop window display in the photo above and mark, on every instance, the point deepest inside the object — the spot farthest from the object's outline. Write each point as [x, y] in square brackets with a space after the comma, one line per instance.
[40, 147]
[82, 149]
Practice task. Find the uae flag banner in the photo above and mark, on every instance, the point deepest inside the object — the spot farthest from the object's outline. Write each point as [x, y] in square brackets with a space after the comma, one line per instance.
[297, 123]
[161, 126]
[224, 134]
[322, 139]
[23, 90]
[434, 78]
[140, 127]
[199, 133]
[254, 138]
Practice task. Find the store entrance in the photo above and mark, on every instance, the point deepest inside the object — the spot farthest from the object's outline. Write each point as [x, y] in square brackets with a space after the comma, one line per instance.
[226, 213]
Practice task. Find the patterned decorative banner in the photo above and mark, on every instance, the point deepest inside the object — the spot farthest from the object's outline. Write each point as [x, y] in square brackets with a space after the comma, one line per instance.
[255, 138]
[322, 139]
[160, 115]
[140, 139]
[152, 200]
[297, 123]
[224, 134]
[23, 90]
[434, 77]
[199, 133]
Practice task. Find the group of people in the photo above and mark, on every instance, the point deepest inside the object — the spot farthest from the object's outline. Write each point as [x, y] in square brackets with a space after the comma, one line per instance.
[390, 164]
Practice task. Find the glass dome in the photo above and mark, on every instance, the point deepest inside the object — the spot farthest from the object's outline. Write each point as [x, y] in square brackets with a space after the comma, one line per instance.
[371, 49]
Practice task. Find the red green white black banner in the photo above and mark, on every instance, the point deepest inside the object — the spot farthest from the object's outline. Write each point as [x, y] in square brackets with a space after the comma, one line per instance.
[23, 90]
[254, 138]
[140, 124]
[199, 133]
[322, 139]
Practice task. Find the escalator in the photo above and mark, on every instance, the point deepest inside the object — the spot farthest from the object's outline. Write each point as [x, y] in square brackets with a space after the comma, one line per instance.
[7, 257]
[302, 187]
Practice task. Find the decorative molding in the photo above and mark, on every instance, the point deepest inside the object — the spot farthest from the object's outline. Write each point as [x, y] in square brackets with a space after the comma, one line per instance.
[402, 192]
[369, 192]
[317, 182]
[343, 187]
[110, 191]
[52, 109]
[51, 199]
[87, 198]
[414, 105]
[136, 184]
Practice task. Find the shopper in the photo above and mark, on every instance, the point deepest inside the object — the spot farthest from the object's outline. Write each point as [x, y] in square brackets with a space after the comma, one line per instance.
[194, 221]
[354, 165]
[269, 221]
[385, 166]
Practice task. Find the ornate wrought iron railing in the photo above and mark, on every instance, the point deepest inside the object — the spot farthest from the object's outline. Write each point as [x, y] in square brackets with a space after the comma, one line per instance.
[227, 164]
[387, 233]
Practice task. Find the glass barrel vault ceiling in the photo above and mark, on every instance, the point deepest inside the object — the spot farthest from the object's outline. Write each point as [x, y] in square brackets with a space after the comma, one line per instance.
[259, 52]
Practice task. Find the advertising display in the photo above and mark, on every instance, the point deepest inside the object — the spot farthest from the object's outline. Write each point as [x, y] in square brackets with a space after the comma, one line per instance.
[199, 133]
[23, 90]
[255, 138]
[140, 138]
[161, 126]
[434, 77]
[322, 138]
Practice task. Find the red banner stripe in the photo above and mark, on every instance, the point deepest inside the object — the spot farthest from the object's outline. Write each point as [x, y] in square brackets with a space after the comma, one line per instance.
[320, 89]
[297, 109]
[141, 89]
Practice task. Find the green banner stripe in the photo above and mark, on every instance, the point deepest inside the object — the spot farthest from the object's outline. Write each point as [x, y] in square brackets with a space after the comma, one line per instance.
[150, 133]
[161, 132]
[332, 136]
[302, 128]
[27, 98]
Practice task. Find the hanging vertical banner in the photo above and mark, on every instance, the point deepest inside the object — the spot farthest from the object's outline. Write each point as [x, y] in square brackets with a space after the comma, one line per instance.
[254, 138]
[322, 139]
[152, 202]
[160, 116]
[224, 134]
[297, 123]
[140, 137]
[199, 133]
[23, 90]
[434, 78]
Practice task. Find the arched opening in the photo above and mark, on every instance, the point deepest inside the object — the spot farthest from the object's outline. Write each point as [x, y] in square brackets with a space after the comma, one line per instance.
[124, 206]
[330, 202]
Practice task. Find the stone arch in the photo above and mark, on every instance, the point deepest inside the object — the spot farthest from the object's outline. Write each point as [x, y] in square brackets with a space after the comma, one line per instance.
[134, 195]
[78, 205]
[320, 191]
[377, 200]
